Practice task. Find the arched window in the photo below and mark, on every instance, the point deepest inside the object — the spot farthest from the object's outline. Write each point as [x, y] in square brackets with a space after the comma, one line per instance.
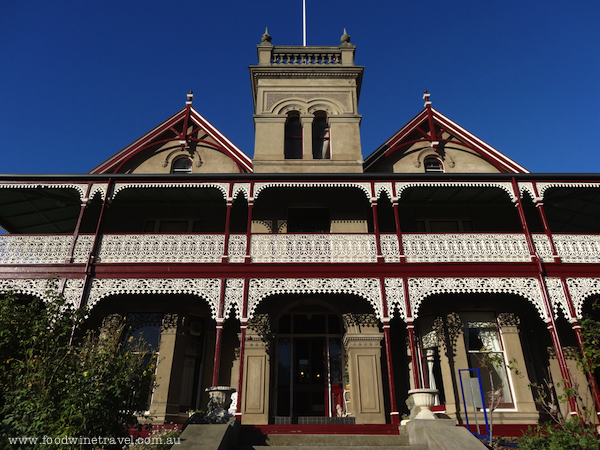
[320, 137]
[182, 165]
[293, 136]
[433, 164]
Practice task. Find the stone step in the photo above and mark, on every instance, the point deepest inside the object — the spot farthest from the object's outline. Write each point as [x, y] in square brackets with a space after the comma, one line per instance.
[330, 447]
[326, 442]
[330, 440]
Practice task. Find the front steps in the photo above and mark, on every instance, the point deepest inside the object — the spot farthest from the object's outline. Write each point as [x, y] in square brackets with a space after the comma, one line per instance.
[314, 437]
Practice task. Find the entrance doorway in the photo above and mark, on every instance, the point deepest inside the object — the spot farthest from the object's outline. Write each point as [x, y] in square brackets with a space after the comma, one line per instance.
[309, 369]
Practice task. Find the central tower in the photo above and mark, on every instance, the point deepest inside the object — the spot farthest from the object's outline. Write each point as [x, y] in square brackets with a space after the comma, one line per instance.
[306, 108]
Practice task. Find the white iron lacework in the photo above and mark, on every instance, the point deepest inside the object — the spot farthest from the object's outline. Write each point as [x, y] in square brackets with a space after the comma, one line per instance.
[83, 247]
[236, 248]
[39, 287]
[98, 188]
[223, 187]
[543, 187]
[448, 247]
[580, 289]
[578, 248]
[394, 294]
[541, 242]
[244, 188]
[505, 185]
[42, 249]
[176, 248]
[367, 288]
[313, 248]
[81, 188]
[421, 288]
[364, 186]
[234, 298]
[205, 288]
[557, 297]
[390, 247]
[384, 187]
[527, 186]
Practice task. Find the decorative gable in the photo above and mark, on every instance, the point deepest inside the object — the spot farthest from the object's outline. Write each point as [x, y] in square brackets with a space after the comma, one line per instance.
[184, 143]
[431, 142]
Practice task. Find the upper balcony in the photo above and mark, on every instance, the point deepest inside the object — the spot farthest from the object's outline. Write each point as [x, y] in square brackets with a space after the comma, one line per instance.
[281, 221]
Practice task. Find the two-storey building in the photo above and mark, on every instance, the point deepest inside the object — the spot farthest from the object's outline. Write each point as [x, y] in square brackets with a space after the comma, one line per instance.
[321, 286]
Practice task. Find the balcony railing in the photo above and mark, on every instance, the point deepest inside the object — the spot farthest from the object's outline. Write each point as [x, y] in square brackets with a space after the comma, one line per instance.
[313, 248]
[465, 247]
[297, 248]
[43, 249]
[173, 248]
[578, 248]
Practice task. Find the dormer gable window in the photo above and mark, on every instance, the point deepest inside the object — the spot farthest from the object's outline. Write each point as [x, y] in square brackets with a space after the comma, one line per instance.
[433, 164]
[182, 165]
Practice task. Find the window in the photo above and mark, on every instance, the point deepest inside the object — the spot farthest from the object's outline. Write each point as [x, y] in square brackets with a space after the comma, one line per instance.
[482, 336]
[433, 164]
[293, 136]
[182, 165]
[173, 226]
[308, 220]
[444, 226]
[320, 137]
[145, 327]
[191, 380]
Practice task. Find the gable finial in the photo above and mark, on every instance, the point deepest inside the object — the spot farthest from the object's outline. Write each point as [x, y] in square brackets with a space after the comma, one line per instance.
[426, 96]
[190, 97]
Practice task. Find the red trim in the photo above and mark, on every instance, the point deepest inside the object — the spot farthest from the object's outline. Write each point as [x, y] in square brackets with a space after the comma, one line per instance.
[376, 224]
[318, 270]
[469, 140]
[371, 429]
[223, 144]
[560, 356]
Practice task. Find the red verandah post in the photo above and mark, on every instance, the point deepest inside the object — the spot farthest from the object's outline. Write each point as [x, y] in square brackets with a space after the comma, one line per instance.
[560, 356]
[394, 415]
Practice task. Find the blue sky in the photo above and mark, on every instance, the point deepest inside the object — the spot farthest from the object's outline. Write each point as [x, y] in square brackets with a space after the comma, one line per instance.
[79, 80]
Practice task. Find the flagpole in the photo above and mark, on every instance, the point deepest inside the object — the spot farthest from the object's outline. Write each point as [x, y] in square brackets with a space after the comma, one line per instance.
[304, 20]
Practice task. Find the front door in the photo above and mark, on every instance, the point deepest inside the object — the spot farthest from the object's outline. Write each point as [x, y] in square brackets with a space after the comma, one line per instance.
[309, 365]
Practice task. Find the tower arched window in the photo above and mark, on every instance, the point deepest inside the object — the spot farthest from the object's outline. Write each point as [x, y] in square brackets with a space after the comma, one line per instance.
[293, 136]
[320, 137]
[182, 165]
[433, 164]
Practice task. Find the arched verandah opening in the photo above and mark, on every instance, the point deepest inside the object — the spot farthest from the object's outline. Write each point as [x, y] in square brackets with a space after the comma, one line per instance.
[179, 328]
[303, 348]
[456, 330]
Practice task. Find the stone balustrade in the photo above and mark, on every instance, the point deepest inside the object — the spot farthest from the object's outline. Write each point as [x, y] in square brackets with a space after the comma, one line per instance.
[308, 56]
[297, 248]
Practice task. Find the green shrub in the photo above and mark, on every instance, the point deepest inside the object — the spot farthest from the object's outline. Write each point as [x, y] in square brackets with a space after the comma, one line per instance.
[572, 435]
[51, 386]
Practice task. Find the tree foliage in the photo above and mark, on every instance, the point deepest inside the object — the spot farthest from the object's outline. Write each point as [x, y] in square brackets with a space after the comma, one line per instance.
[56, 386]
